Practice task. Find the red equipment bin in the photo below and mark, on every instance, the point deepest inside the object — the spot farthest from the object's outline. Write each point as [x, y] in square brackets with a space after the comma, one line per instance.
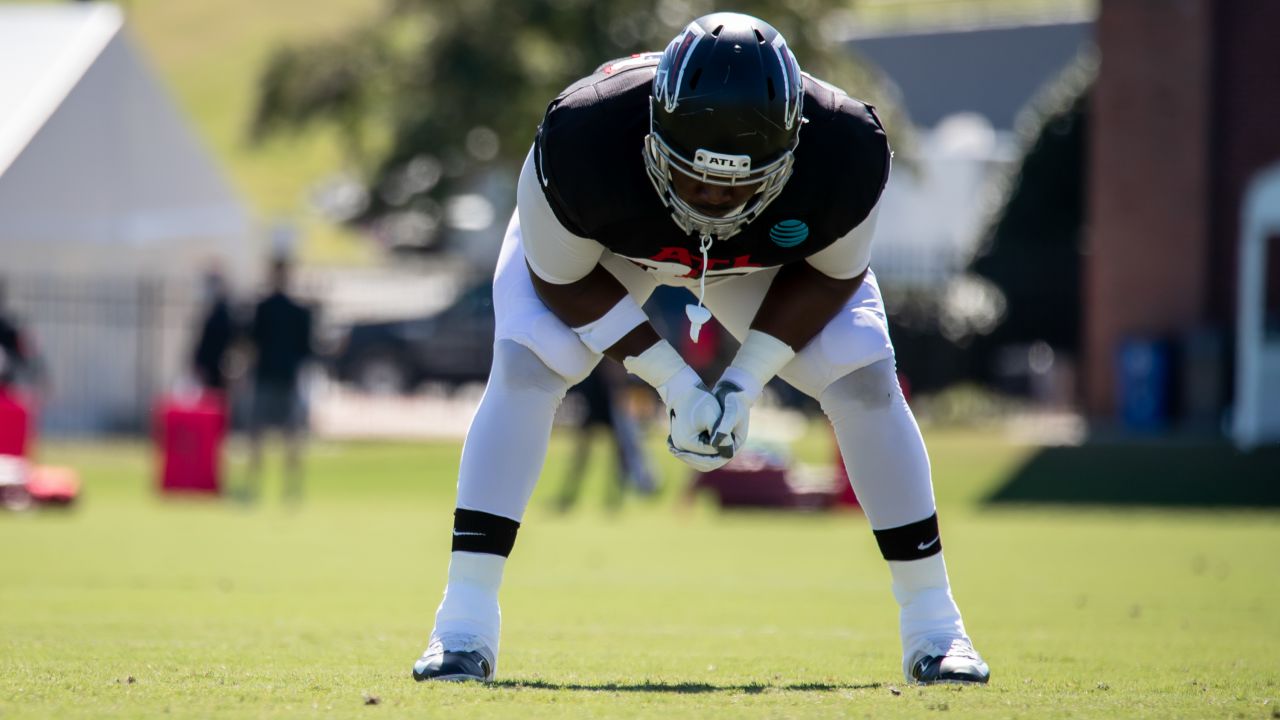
[759, 479]
[15, 424]
[53, 485]
[189, 436]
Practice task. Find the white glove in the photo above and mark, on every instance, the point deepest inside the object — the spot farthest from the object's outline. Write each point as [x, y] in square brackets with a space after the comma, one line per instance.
[730, 431]
[691, 408]
[693, 411]
[698, 461]
[758, 360]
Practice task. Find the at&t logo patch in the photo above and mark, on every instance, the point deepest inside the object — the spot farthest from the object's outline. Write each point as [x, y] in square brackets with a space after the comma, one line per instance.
[789, 233]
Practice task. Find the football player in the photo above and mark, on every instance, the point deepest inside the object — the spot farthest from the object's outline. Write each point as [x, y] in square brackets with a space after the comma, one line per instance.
[717, 165]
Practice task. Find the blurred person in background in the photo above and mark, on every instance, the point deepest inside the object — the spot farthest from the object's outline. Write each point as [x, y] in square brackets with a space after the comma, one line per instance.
[217, 333]
[718, 166]
[280, 335]
[605, 415]
[20, 364]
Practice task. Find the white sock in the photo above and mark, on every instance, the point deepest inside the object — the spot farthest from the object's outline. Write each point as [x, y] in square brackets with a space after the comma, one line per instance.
[470, 604]
[927, 610]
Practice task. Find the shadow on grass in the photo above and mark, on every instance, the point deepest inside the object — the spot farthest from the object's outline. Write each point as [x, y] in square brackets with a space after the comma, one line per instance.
[681, 688]
[1155, 473]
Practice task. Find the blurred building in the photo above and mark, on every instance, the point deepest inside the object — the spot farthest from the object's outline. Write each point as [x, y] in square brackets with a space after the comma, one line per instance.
[109, 210]
[972, 87]
[963, 87]
[992, 69]
[1178, 322]
[1183, 117]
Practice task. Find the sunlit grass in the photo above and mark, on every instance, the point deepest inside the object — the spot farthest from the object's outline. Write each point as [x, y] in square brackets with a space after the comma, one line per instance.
[132, 606]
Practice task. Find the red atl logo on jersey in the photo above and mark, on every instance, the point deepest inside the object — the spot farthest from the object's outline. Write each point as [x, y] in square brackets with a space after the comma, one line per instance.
[693, 261]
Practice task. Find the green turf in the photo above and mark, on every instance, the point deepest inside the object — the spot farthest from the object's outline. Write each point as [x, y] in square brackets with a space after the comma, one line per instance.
[130, 606]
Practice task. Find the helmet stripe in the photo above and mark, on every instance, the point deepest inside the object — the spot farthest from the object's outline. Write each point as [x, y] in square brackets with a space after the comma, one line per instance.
[789, 78]
[666, 86]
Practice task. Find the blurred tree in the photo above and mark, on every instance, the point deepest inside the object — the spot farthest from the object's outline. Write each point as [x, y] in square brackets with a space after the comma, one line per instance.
[1033, 247]
[1029, 257]
[432, 94]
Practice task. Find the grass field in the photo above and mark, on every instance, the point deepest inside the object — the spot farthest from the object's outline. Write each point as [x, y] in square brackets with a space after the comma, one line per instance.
[130, 606]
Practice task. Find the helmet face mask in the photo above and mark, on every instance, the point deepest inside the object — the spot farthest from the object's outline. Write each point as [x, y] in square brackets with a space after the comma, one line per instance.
[739, 126]
[662, 162]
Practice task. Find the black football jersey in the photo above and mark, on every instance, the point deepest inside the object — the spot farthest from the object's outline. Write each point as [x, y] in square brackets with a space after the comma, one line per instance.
[589, 156]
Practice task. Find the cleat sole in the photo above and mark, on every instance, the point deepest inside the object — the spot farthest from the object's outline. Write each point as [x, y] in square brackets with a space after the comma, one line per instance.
[458, 678]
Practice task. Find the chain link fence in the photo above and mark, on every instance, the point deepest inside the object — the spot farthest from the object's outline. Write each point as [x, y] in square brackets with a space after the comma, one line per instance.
[106, 346]
[110, 347]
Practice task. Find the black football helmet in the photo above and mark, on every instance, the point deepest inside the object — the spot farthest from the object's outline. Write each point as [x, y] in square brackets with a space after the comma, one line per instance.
[725, 110]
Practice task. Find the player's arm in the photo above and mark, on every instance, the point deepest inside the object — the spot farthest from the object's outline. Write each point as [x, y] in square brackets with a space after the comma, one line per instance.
[805, 296]
[801, 300]
[587, 302]
[567, 275]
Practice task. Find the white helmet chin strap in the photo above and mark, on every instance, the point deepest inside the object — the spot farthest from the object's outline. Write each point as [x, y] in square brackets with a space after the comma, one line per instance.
[697, 314]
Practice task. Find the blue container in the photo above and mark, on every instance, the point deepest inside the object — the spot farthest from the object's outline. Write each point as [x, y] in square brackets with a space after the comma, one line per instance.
[1143, 384]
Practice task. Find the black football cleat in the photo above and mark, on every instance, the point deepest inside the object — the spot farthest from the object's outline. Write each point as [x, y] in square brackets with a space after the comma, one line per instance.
[954, 661]
[470, 661]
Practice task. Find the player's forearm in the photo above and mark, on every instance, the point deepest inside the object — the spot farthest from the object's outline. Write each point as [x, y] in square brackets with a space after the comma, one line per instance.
[595, 299]
[800, 302]
[582, 301]
[634, 343]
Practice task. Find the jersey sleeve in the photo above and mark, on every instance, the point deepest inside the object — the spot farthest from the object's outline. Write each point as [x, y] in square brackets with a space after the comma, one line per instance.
[555, 254]
[865, 161]
[849, 256]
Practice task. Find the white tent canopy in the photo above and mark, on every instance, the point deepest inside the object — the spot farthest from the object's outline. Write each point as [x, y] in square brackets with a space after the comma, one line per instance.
[99, 174]
[109, 211]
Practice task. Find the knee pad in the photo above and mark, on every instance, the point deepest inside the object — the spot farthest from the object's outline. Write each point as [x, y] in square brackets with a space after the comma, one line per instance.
[516, 366]
[870, 387]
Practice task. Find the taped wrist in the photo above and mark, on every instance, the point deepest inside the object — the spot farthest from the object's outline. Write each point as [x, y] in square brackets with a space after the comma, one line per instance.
[659, 366]
[761, 357]
[604, 332]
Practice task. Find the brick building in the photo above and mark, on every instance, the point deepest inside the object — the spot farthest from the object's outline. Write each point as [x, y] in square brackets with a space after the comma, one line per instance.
[1186, 110]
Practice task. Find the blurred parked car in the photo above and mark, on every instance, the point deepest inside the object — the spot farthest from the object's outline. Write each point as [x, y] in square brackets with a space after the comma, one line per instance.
[453, 346]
